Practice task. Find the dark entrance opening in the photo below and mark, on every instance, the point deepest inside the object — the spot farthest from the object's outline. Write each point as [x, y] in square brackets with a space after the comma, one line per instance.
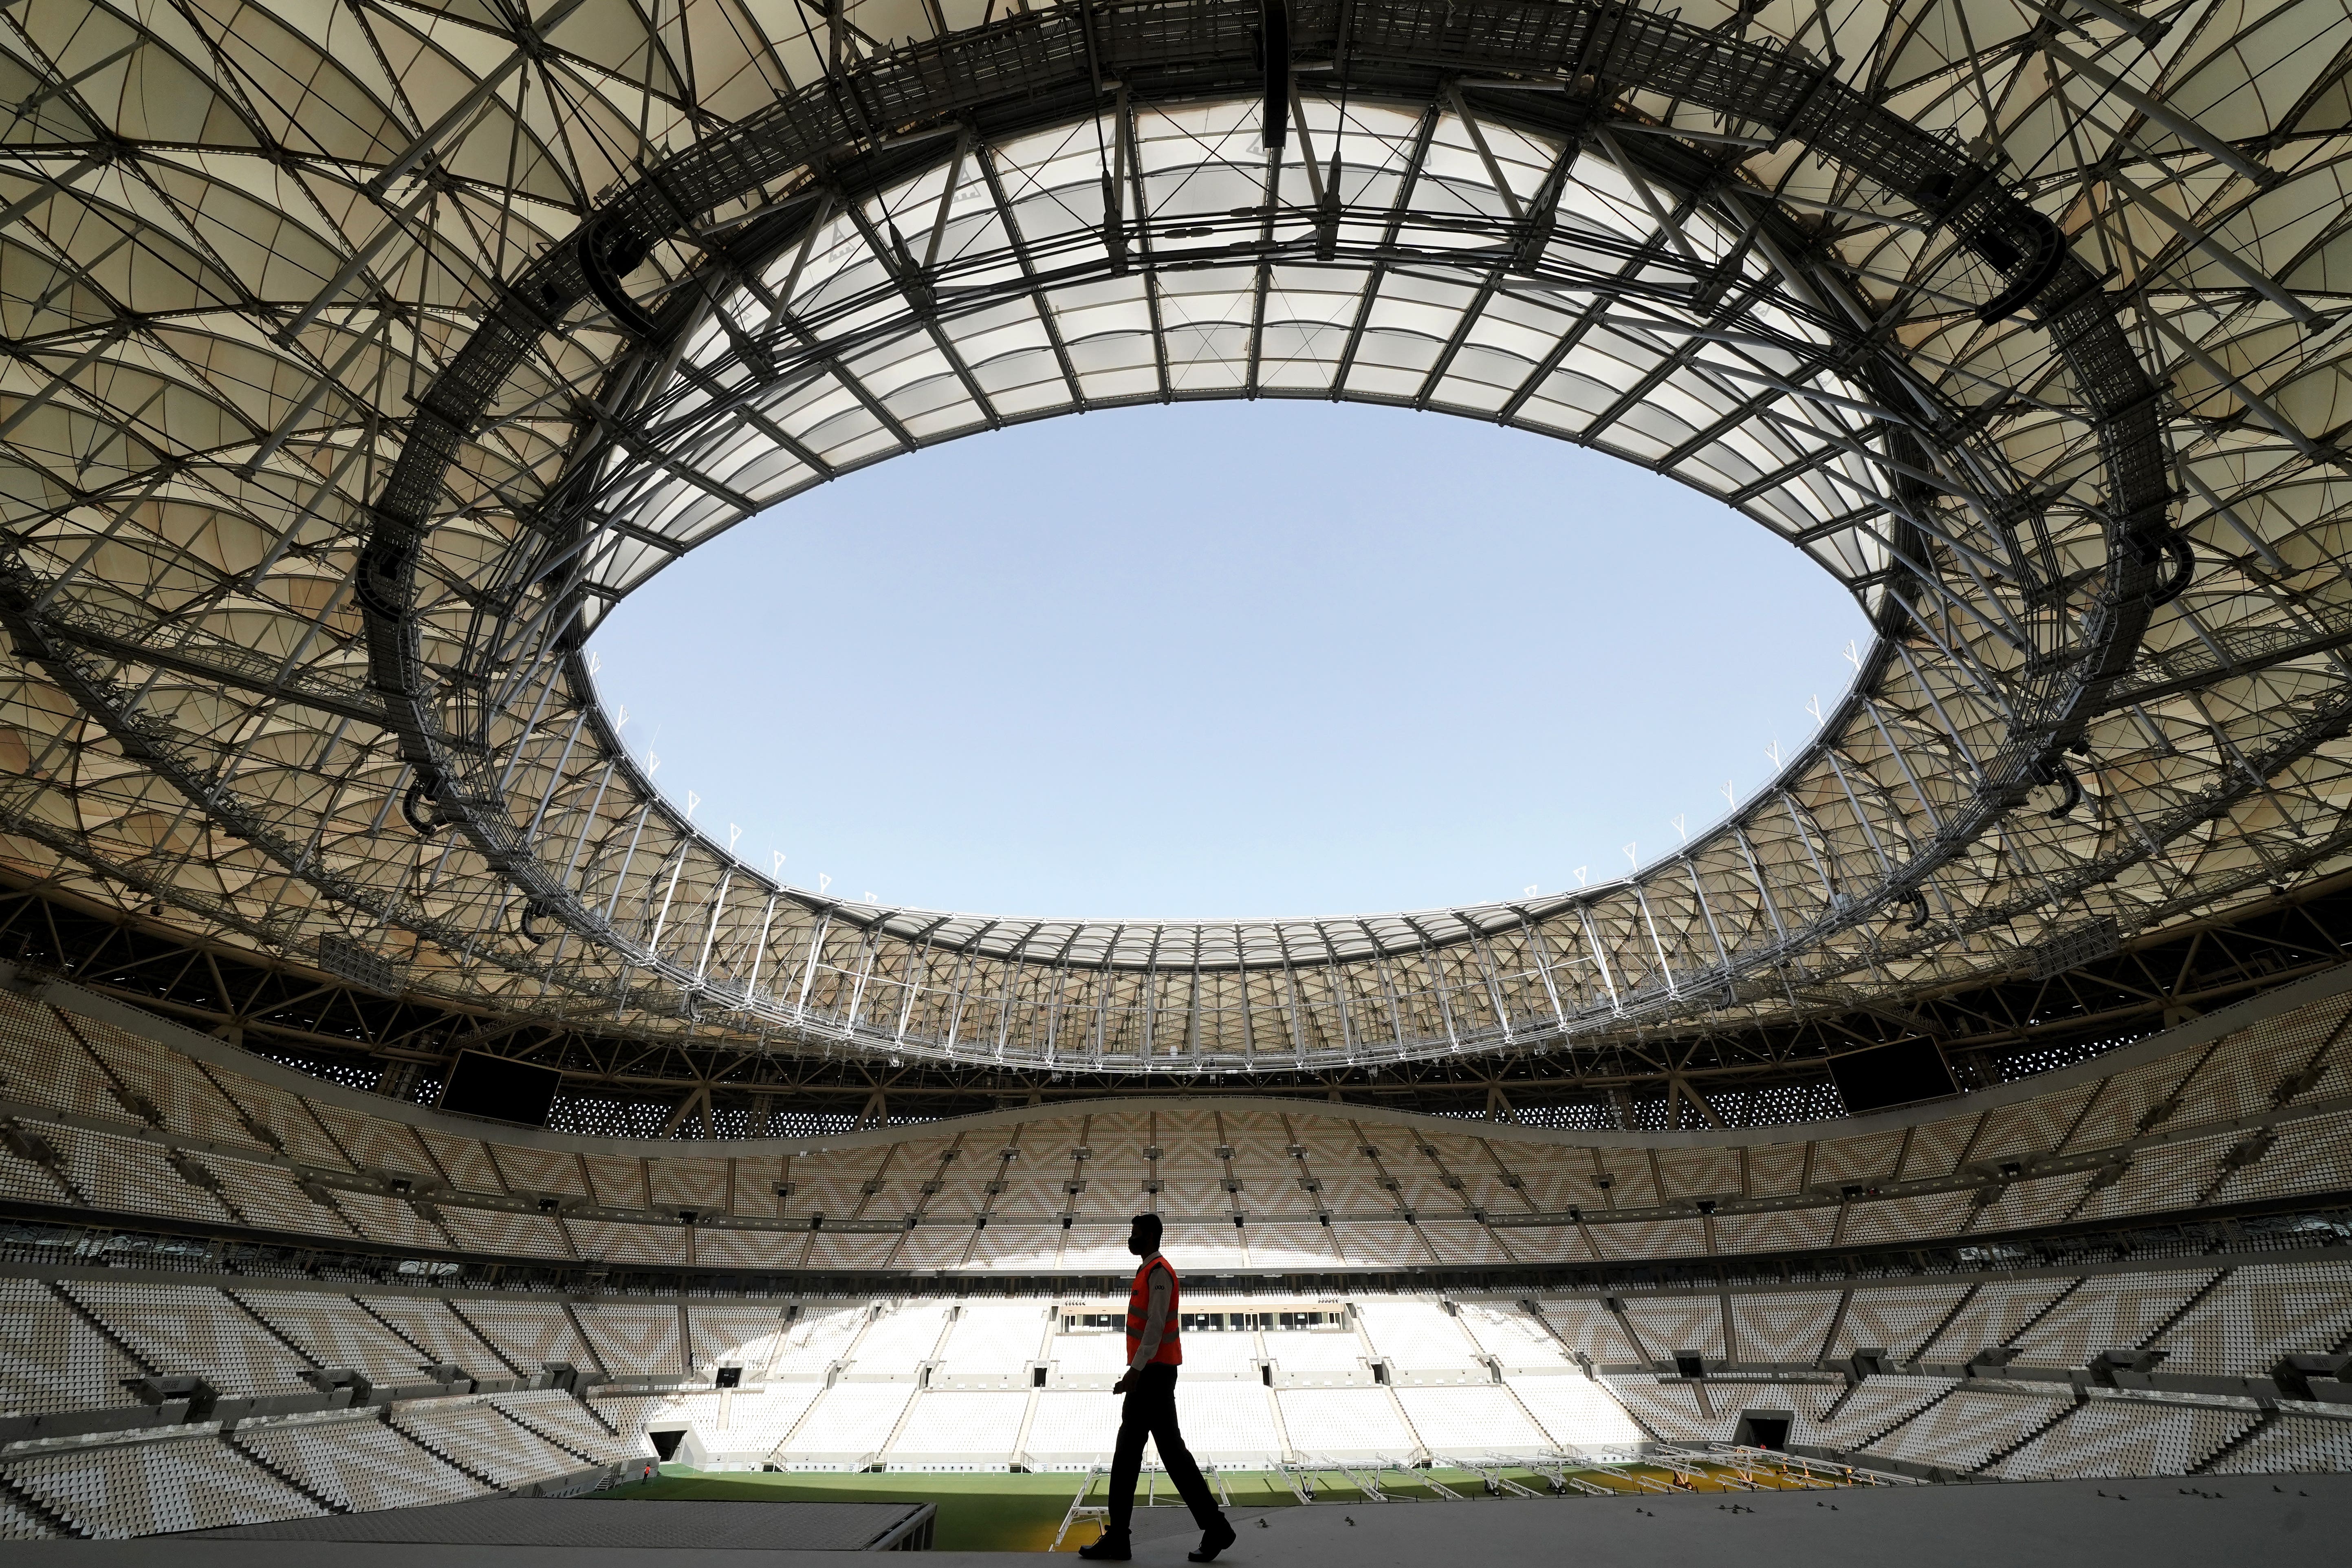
[1764, 1428]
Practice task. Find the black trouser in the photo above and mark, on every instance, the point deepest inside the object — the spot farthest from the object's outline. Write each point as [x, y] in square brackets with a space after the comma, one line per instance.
[1150, 1412]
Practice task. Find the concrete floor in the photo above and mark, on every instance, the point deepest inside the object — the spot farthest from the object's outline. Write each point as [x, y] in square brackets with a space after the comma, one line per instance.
[2012, 1526]
[2283, 1521]
[555, 1521]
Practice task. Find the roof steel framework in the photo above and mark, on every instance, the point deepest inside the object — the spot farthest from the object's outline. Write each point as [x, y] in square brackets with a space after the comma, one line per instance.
[362, 354]
[643, 1082]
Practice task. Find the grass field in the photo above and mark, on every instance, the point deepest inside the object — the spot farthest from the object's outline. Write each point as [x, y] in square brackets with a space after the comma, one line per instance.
[1008, 1512]
[977, 1513]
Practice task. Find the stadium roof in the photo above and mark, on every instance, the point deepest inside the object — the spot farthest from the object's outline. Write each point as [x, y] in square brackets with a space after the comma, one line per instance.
[361, 353]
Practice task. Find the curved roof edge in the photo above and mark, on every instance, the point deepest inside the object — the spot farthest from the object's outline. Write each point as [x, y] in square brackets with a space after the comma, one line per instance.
[2189, 1036]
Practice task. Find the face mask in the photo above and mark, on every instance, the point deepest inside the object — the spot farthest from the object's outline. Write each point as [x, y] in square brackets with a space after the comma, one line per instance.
[1135, 1245]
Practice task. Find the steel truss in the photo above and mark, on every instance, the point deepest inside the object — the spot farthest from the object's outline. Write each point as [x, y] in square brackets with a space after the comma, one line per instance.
[650, 1082]
[1927, 387]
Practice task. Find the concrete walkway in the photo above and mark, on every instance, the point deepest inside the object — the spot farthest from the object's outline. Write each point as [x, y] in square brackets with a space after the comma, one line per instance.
[2283, 1521]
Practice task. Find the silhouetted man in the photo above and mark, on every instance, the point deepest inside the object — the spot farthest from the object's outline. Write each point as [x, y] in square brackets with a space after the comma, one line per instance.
[1154, 1352]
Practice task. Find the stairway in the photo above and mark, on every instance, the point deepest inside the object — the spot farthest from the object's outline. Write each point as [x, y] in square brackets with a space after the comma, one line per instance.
[449, 1459]
[1997, 1454]
[546, 1436]
[40, 1510]
[254, 1457]
[2253, 1429]
[1892, 1427]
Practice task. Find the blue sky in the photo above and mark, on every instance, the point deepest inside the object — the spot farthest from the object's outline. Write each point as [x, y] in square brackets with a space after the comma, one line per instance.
[1225, 659]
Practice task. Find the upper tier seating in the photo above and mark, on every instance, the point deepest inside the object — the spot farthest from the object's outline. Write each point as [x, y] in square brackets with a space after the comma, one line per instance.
[1897, 1319]
[441, 1331]
[631, 1341]
[1780, 1330]
[1083, 1354]
[285, 1151]
[729, 1335]
[194, 1331]
[52, 1358]
[2261, 1312]
[335, 1330]
[1669, 1326]
[527, 1335]
[2120, 1313]
[817, 1341]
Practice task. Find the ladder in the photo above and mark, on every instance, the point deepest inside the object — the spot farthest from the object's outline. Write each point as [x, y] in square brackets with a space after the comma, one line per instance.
[1081, 1509]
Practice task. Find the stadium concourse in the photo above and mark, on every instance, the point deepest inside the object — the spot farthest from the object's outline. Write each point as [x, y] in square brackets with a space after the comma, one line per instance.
[407, 1105]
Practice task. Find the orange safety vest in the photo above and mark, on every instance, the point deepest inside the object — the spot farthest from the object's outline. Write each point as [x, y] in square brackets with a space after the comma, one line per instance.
[1138, 1312]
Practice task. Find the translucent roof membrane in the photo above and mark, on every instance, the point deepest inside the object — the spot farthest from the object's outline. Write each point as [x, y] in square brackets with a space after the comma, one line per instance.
[250, 259]
[1427, 332]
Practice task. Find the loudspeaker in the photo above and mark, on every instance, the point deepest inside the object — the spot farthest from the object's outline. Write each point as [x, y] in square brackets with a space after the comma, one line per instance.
[1274, 49]
[500, 1088]
[1884, 1076]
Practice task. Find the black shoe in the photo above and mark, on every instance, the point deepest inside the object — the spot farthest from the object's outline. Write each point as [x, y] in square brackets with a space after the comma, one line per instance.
[1109, 1548]
[1214, 1542]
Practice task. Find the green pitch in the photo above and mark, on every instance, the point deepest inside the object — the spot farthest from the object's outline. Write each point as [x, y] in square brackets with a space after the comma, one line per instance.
[1008, 1512]
[991, 1513]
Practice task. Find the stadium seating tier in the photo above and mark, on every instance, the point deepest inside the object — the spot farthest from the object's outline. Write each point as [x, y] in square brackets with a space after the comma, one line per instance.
[128, 1128]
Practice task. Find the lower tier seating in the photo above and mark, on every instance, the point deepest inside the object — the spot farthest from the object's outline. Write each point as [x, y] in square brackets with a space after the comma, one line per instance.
[356, 1462]
[2290, 1445]
[115, 1490]
[2126, 1437]
[479, 1439]
[19, 1524]
[995, 1383]
[563, 1420]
